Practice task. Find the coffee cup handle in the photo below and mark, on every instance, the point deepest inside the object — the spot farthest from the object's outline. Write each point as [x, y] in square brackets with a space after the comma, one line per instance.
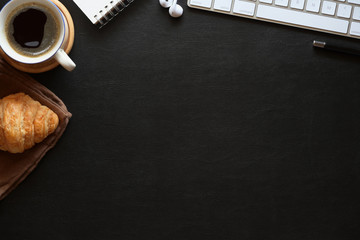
[64, 60]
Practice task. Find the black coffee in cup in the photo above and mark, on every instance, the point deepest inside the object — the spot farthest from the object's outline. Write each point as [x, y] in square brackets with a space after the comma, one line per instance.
[32, 30]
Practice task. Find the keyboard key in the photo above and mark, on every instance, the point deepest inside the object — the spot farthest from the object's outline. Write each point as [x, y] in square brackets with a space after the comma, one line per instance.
[283, 3]
[201, 3]
[302, 19]
[245, 8]
[344, 11]
[355, 29]
[356, 13]
[354, 1]
[297, 4]
[313, 5]
[266, 1]
[223, 5]
[328, 8]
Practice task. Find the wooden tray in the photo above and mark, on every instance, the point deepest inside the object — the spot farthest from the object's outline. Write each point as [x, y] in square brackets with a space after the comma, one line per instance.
[50, 64]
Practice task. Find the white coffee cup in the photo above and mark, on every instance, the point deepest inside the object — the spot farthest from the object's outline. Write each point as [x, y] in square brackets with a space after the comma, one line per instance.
[55, 51]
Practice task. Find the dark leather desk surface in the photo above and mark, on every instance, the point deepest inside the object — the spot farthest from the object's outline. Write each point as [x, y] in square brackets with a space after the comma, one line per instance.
[204, 127]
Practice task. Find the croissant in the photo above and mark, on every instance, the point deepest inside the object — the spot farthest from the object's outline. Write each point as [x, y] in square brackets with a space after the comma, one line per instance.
[24, 122]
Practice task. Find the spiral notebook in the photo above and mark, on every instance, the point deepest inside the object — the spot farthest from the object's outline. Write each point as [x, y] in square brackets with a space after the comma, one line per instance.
[100, 12]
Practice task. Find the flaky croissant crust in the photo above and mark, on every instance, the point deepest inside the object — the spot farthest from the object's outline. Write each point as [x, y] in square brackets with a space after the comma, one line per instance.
[24, 122]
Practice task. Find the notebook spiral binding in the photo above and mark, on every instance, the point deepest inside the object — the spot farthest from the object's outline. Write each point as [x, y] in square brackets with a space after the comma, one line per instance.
[110, 11]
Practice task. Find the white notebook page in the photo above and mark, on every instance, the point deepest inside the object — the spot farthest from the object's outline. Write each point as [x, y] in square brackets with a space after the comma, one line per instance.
[93, 7]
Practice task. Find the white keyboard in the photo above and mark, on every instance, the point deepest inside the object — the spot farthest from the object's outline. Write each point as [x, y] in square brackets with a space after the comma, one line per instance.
[340, 17]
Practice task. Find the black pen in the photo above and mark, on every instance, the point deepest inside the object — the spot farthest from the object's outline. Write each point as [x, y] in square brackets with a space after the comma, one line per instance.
[335, 48]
